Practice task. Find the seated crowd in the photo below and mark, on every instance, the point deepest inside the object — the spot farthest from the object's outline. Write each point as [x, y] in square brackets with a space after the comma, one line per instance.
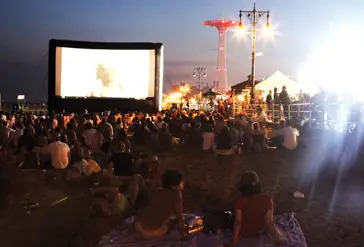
[98, 147]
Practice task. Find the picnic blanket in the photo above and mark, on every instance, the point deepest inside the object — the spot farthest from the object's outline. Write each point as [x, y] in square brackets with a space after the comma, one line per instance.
[125, 236]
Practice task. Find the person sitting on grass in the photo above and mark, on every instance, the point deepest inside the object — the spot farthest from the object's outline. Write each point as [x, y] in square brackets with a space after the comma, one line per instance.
[236, 134]
[287, 135]
[208, 137]
[154, 220]
[164, 139]
[277, 138]
[253, 211]
[122, 172]
[223, 141]
[149, 170]
[41, 152]
[122, 161]
[258, 138]
[59, 152]
[109, 201]
[92, 167]
[27, 141]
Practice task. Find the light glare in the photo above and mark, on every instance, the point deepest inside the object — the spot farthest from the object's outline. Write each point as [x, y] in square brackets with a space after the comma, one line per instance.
[336, 66]
[240, 33]
[269, 32]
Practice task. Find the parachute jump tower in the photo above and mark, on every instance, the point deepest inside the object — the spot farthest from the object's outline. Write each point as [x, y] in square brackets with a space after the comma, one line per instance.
[221, 84]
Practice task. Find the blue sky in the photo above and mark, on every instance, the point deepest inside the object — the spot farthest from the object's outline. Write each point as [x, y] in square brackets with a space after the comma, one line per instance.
[27, 25]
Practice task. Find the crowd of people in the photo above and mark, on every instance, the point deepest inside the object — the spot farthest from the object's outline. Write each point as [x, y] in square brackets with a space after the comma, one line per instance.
[100, 147]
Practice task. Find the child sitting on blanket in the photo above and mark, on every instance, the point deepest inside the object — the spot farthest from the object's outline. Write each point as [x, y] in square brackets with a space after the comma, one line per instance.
[154, 220]
[253, 211]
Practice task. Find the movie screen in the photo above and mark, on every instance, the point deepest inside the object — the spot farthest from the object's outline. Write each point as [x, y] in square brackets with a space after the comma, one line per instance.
[105, 73]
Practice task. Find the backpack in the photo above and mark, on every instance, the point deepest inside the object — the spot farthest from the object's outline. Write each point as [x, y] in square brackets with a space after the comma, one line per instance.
[221, 220]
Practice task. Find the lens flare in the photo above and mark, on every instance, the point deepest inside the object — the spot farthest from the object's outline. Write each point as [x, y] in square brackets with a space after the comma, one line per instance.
[240, 33]
[336, 66]
[269, 32]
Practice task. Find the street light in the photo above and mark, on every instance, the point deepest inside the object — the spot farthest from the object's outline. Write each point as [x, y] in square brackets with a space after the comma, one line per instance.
[254, 16]
[198, 72]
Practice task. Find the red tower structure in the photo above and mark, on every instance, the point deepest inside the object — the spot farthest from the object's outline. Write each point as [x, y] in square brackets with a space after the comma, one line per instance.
[221, 84]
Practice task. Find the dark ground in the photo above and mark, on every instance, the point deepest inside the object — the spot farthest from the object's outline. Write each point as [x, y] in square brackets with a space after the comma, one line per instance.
[332, 213]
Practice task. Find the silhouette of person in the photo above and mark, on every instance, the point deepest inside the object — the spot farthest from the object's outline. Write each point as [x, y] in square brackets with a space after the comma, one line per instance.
[107, 84]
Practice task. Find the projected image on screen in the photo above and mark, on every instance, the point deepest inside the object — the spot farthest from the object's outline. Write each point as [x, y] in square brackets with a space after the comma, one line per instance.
[105, 73]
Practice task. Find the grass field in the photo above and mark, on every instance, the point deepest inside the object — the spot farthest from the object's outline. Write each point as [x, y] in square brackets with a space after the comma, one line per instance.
[330, 214]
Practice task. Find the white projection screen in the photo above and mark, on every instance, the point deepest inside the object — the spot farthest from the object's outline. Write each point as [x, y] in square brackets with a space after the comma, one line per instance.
[105, 73]
[99, 76]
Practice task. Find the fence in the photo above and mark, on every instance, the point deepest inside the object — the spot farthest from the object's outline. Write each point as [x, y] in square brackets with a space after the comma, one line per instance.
[276, 111]
[336, 116]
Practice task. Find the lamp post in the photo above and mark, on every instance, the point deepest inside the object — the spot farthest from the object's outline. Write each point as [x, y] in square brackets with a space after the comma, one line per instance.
[198, 72]
[254, 17]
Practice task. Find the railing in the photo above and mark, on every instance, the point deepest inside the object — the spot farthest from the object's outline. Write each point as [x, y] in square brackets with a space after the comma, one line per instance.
[326, 116]
[276, 111]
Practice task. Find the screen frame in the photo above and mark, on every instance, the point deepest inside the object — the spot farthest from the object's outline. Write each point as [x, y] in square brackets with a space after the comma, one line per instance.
[58, 103]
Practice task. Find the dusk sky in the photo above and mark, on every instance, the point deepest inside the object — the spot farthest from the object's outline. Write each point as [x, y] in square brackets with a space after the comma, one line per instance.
[26, 26]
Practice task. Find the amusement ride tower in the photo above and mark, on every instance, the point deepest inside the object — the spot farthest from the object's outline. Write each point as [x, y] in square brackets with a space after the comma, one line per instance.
[221, 84]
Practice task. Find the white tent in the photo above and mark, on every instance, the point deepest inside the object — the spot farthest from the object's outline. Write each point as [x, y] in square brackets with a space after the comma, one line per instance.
[278, 80]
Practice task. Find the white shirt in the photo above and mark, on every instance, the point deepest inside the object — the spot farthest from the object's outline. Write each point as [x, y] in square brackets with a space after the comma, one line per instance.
[59, 152]
[290, 137]
[208, 140]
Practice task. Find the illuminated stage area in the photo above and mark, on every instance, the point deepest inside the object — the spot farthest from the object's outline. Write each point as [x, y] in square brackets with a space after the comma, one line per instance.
[97, 76]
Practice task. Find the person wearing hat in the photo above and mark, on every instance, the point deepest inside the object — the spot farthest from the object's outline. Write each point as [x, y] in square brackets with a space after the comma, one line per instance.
[253, 211]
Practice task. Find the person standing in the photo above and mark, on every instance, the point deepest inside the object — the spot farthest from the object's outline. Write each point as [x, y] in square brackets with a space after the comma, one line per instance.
[276, 96]
[269, 99]
[285, 100]
[284, 97]
[164, 139]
